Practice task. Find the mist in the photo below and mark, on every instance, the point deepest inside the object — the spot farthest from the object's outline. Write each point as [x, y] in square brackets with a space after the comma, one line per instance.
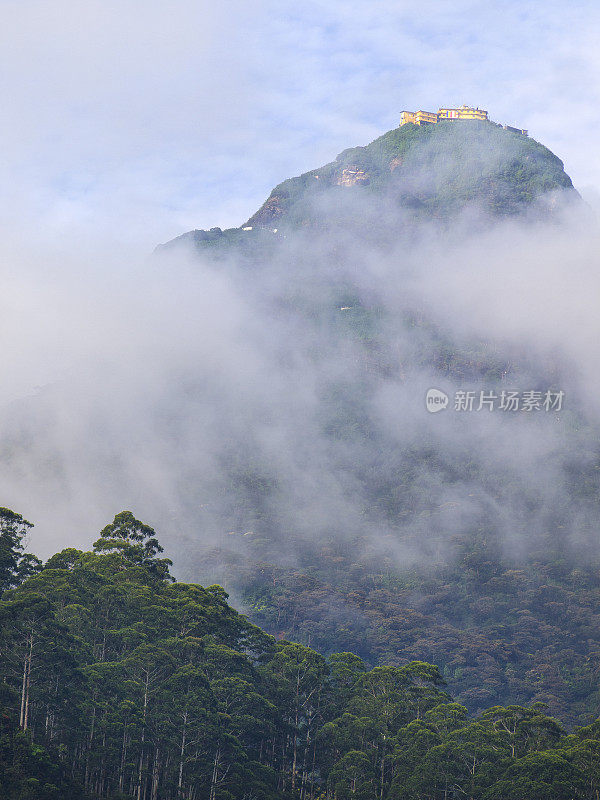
[260, 409]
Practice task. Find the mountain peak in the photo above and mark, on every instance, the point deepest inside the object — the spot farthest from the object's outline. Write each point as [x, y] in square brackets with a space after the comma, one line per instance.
[416, 172]
[440, 168]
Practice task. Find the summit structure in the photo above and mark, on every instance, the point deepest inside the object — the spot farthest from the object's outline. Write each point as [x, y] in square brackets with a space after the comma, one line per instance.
[430, 117]
[463, 112]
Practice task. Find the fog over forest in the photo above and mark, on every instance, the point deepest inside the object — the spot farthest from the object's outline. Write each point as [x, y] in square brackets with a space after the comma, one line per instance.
[238, 405]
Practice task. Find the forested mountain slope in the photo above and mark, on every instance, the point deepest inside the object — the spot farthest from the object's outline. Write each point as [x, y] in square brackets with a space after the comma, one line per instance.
[349, 518]
[126, 684]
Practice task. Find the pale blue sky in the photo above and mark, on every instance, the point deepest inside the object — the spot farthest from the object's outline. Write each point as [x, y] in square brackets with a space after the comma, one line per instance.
[130, 122]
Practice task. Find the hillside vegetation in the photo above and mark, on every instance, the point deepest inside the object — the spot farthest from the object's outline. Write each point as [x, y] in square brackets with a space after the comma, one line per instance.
[118, 682]
[430, 541]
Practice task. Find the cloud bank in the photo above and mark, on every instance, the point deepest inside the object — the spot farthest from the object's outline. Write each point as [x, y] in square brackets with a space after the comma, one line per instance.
[275, 406]
[211, 401]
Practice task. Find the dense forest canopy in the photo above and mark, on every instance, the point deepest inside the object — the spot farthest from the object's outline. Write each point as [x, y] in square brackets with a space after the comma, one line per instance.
[120, 682]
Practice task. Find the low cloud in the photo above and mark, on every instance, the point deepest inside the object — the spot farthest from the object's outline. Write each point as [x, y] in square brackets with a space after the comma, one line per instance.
[258, 410]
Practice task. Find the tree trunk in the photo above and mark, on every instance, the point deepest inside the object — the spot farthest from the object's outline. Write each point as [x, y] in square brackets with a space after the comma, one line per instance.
[23, 720]
[123, 756]
[141, 762]
[295, 750]
[87, 779]
[215, 773]
[303, 775]
[27, 683]
[155, 776]
[181, 754]
[312, 774]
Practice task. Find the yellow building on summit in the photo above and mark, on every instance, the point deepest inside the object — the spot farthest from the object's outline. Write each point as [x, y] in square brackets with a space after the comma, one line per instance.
[418, 117]
[464, 112]
[430, 117]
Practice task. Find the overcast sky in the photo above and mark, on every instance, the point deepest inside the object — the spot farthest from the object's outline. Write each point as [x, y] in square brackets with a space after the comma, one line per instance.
[132, 121]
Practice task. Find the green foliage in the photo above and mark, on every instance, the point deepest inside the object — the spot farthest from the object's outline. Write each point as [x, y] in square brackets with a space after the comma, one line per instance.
[28, 771]
[117, 682]
[134, 543]
[499, 634]
[15, 563]
[136, 680]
